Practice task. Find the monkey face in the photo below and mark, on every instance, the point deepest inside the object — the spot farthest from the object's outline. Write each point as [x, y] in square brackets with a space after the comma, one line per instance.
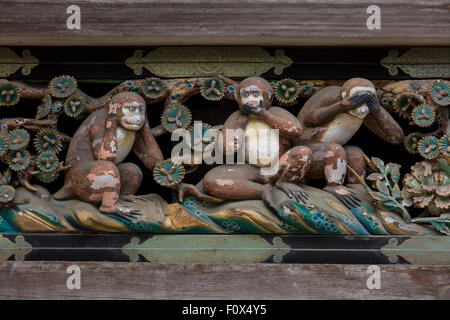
[251, 95]
[132, 115]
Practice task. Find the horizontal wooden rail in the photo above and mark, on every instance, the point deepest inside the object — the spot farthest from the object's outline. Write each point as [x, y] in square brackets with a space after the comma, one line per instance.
[108, 280]
[225, 22]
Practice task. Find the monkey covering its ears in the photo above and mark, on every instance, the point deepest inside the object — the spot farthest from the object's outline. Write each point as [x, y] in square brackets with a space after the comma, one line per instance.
[100, 145]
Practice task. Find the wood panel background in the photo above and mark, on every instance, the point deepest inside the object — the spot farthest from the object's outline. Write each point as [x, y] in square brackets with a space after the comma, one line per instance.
[115, 280]
[200, 22]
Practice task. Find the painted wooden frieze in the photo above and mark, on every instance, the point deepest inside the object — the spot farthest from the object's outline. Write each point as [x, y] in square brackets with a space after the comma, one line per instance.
[264, 170]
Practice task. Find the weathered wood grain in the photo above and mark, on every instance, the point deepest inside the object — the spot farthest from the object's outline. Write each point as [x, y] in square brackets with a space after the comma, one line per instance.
[200, 22]
[107, 280]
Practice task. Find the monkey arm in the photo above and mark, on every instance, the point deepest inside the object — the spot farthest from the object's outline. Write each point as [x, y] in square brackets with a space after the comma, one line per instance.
[146, 148]
[104, 140]
[288, 125]
[383, 125]
[234, 122]
[323, 107]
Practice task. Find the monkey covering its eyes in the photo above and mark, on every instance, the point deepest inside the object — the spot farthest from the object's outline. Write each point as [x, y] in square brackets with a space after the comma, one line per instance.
[331, 117]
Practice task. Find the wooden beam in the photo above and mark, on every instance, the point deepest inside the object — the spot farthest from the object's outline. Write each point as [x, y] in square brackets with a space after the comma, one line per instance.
[225, 22]
[108, 280]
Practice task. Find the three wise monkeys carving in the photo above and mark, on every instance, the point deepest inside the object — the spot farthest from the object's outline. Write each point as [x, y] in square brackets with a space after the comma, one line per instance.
[311, 146]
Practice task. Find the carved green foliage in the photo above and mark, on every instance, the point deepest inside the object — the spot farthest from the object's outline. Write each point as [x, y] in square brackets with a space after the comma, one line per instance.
[384, 188]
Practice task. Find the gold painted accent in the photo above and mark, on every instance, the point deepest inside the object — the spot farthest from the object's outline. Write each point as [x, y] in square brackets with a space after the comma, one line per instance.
[419, 250]
[419, 62]
[206, 249]
[19, 249]
[10, 62]
[171, 62]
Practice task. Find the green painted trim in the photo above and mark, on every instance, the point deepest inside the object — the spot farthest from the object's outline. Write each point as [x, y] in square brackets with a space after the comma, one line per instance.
[206, 249]
[419, 250]
[419, 62]
[171, 62]
[19, 249]
[10, 62]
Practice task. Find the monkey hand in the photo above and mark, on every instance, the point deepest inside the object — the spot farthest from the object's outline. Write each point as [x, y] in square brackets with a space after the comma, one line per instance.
[252, 109]
[356, 100]
[373, 103]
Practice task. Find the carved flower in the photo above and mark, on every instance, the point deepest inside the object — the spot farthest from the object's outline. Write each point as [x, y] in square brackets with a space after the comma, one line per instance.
[428, 186]
[62, 86]
[47, 161]
[176, 117]
[429, 147]
[287, 91]
[47, 177]
[9, 95]
[213, 89]
[18, 139]
[440, 93]
[74, 106]
[202, 137]
[423, 115]
[444, 145]
[411, 142]
[405, 102]
[47, 140]
[168, 173]
[19, 160]
[153, 88]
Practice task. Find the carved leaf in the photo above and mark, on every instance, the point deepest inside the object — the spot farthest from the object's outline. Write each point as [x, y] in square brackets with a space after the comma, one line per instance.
[379, 196]
[382, 187]
[375, 176]
[379, 164]
[396, 193]
[393, 170]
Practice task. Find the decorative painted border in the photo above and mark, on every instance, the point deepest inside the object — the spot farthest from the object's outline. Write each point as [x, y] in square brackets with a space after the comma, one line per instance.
[227, 248]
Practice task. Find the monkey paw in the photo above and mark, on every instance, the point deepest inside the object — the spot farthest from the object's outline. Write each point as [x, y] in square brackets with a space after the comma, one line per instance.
[347, 197]
[126, 213]
[293, 191]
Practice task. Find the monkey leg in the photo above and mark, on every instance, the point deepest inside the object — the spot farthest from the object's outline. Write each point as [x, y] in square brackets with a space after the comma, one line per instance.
[96, 182]
[130, 178]
[329, 161]
[355, 159]
[236, 182]
[295, 164]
